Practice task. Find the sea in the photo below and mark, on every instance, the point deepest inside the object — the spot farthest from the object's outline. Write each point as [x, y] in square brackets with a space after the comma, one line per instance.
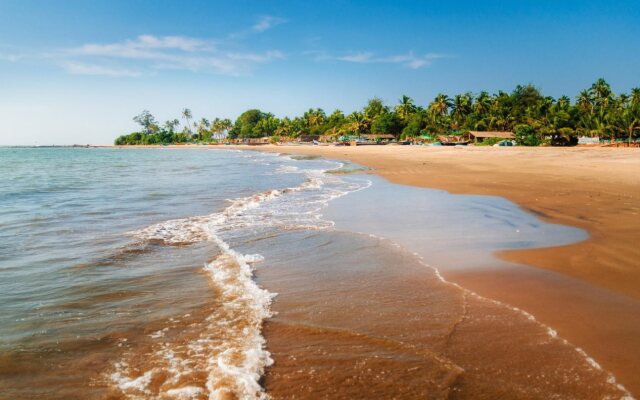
[204, 273]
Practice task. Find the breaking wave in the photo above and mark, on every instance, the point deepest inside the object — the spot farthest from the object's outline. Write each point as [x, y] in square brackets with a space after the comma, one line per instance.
[228, 346]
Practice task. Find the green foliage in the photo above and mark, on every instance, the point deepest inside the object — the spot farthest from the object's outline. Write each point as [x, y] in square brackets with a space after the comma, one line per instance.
[414, 126]
[387, 123]
[536, 119]
[527, 136]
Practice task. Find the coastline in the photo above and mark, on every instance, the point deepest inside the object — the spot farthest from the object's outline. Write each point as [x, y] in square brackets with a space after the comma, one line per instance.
[602, 199]
[587, 291]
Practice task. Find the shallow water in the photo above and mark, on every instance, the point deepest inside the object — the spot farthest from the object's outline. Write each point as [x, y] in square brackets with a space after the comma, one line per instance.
[129, 274]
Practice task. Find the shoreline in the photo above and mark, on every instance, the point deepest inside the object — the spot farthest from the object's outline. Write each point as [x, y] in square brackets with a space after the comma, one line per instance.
[589, 291]
[605, 196]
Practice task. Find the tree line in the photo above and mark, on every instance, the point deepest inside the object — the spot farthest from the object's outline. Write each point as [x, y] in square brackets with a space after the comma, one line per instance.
[534, 118]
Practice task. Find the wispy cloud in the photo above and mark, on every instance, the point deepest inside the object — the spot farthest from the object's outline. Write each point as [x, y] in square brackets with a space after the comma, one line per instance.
[145, 47]
[408, 60]
[267, 22]
[147, 53]
[92, 69]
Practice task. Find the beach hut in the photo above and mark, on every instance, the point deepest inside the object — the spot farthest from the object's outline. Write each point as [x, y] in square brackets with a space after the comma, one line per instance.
[258, 141]
[378, 137]
[452, 140]
[479, 137]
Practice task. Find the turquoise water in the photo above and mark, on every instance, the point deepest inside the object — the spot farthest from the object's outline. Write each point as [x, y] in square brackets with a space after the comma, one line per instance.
[98, 246]
[64, 210]
[129, 273]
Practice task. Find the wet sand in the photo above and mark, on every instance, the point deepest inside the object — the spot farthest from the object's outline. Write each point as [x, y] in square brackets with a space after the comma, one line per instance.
[596, 189]
[378, 323]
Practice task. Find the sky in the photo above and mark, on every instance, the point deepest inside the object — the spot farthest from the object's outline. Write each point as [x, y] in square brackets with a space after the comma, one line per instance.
[76, 72]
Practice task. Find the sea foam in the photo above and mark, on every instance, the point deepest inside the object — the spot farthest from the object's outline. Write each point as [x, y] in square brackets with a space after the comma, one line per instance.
[230, 346]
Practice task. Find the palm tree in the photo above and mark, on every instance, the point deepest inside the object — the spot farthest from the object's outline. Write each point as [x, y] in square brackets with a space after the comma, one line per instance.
[315, 117]
[483, 104]
[462, 107]
[585, 101]
[374, 108]
[405, 108]
[635, 97]
[203, 128]
[440, 105]
[171, 125]
[186, 114]
[602, 93]
[358, 122]
[627, 121]
[563, 103]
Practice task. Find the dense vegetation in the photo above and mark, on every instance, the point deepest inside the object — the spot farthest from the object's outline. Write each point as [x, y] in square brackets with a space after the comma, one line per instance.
[535, 119]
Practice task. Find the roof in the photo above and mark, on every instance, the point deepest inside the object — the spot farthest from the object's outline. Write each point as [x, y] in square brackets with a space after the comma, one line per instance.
[503, 135]
[258, 140]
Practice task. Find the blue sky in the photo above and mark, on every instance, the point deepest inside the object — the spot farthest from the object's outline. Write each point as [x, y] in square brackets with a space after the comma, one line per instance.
[77, 71]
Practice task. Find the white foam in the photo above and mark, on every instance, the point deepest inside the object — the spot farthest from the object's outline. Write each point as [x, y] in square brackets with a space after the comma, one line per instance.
[233, 352]
[186, 393]
[243, 363]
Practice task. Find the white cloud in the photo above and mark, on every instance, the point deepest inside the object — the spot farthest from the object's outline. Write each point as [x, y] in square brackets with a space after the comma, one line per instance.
[267, 22]
[92, 69]
[149, 52]
[408, 60]
[257, 57]
[357, 58]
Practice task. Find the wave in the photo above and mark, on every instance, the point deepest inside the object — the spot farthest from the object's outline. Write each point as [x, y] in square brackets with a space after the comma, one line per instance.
[229, 345]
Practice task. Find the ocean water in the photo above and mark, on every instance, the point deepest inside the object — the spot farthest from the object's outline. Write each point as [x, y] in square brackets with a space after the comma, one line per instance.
[222, 274]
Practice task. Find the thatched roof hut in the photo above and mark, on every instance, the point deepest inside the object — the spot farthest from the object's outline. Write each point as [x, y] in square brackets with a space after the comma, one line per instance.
[258, 141]
[452, 140]
[478, 136]
[378, 136]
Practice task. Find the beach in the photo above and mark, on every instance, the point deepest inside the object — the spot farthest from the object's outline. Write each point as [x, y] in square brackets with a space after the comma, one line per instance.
[296, 272]
[597, 189]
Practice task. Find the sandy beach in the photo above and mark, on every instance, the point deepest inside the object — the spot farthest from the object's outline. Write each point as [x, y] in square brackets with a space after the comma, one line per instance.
[597, 189]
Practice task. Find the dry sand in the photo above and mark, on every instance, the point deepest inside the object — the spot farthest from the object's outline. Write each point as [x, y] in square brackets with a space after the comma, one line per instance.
[597, 189]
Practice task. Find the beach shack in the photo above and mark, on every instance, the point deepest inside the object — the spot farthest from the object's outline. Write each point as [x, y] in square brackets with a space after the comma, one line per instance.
[258, 141]
[479, 137]
[452, 140]
[378, 137]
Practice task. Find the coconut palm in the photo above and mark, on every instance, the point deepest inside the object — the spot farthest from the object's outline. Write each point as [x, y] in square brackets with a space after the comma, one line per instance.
[405, 108]
[441, 105]
[627, 121]
[482, 104]
[171, 125]
[315, 117]
[358, 122]
[186, 114]
[584, 101]
[462, 107]
[635, 97]
[602, 93]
